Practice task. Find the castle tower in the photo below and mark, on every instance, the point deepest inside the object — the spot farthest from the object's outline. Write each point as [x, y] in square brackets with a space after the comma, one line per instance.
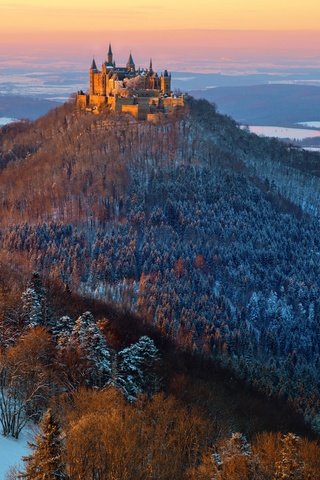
[110, 55]
[165, 83]
[109, 90]
[130, 64]
[93, 71]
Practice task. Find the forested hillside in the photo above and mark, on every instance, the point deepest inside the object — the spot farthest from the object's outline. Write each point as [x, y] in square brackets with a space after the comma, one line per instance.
[128, 405]
[206, 233]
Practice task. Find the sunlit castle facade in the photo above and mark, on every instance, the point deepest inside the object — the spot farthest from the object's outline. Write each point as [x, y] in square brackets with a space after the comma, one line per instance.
[140, 92]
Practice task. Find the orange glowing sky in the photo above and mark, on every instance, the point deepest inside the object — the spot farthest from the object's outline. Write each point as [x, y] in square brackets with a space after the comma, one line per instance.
[23, 16]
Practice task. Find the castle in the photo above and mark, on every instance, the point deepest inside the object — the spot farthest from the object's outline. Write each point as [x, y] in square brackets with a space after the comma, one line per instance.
[141, 92]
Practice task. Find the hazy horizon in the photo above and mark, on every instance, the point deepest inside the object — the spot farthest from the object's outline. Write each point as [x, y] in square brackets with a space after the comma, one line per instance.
[180, 50]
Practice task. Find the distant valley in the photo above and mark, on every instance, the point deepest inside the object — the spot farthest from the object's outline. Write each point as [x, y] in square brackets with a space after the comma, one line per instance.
[281, 105]
[16, 106]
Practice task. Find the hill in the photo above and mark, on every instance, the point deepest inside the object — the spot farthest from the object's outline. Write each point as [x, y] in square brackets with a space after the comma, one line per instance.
[205, 235]
[265, 104]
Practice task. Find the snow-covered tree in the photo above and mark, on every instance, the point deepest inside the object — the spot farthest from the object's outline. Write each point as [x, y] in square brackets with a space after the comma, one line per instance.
[254, 309]
[63, 325]
[136, 368]
[33, 302]
[272, 304]
[46, 460]
[63, 330]
[92, 347]
[32, 308]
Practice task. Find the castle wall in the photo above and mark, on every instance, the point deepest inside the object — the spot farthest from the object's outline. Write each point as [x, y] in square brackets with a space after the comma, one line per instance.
[165, 83]
[116, 103]
[170, 103]
[82, 101]
[143, 101]
[98, 84]
[147, 93]
[154, 101]
[138, 111]
[111, 84]
[132, 109]
[97, 100]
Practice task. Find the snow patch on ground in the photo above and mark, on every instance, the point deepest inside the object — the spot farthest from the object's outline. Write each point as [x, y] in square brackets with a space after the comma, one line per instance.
[282, 132]
[315, 124]
[12, 450]
[312, 149]
[6, 120]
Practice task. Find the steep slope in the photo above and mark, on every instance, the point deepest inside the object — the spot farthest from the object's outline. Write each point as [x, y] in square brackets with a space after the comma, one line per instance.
[195, 224]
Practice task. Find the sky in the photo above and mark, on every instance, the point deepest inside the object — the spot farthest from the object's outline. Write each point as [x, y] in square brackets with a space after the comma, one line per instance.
[23, 16]
[188, 35]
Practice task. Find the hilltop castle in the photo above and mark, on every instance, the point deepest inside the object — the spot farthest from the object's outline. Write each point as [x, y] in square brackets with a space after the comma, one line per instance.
[140, 92]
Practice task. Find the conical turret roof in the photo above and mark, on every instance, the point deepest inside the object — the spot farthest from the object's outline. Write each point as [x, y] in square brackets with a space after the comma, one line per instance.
[130, 61]
[93, 65]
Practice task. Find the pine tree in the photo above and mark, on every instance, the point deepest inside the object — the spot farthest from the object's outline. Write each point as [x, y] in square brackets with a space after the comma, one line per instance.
[87, 338]
[36, 284]
[63, 330]
[254, 309]
[136, 368]
[46, 462]
[63, 326]
[34, 302]
[32, 309]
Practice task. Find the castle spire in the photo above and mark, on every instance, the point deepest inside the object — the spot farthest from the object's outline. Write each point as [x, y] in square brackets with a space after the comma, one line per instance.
[94, 65]
[130, 64]
[110, 55]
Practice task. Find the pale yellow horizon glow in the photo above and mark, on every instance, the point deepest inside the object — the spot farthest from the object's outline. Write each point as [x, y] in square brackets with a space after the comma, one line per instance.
[32, 16]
